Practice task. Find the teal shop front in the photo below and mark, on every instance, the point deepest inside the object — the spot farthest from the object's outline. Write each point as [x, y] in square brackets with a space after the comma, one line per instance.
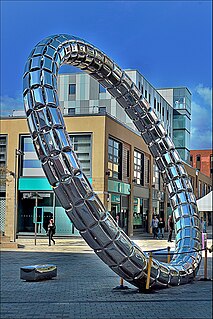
[119, 202]
[36, 195]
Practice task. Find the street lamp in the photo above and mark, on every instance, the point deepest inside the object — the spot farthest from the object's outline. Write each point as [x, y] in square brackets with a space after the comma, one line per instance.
[17, 154]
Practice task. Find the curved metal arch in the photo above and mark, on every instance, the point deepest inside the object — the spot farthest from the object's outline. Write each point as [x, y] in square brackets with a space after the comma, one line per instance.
[61, 166]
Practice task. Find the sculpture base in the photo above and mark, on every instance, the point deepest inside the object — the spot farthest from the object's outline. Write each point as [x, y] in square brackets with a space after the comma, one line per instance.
[38, 272]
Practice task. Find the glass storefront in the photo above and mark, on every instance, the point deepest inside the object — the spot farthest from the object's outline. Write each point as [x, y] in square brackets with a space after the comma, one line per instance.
[33, 187]
[140, 214]
[47, 207]
[119, 209]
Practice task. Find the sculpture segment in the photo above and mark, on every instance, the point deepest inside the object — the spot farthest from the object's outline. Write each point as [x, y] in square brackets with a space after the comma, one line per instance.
[62, 168]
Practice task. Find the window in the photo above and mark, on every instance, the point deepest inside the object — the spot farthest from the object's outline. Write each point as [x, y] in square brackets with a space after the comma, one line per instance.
[139, 168]
[158, 106]
[72, 89]
[82, 145]
[139, 85]
[163, 111]
[31, 166]
[115, 159]
[211, 165]
[146, 94]
[191, 160]
[148, 172]
[155, 103]
[149, 98]
[102, 89]
[71, 111]
[102, 110]
[3, 164]
[198, 164]
[29, 163]
[127, 163]
[167, 115]
[142, 89]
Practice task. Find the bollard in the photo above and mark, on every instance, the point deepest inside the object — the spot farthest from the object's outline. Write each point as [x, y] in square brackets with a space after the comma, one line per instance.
[205, 264]
[121, 282]
[121, 287]
[168, 256]
[149, 271]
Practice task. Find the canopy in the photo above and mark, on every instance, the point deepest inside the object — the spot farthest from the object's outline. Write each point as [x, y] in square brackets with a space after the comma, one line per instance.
[204, 204]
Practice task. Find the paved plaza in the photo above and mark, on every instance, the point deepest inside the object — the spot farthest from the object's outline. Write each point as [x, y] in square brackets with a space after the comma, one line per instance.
[84, 286]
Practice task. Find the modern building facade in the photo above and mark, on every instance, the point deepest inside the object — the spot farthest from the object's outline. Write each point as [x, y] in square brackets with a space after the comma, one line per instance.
[180, 99]
[202, 160]
[81, 94]
[113, 156]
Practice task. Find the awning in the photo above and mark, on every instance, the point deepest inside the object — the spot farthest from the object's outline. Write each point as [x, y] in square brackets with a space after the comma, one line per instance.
[205, 203]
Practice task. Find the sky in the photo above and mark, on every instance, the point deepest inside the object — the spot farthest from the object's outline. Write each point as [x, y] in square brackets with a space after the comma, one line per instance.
[168, 42]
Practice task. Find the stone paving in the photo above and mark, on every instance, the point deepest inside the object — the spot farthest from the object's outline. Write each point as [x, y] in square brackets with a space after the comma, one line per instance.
[84, 286]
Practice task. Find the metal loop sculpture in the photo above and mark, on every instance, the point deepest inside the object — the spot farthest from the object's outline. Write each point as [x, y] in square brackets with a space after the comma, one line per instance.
[62, 168]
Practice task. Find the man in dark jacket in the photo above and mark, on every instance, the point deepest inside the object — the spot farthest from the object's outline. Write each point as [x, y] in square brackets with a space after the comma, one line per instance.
[170, 228]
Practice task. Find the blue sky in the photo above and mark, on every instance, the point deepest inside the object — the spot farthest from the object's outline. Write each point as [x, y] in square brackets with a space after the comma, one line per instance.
[169, 42]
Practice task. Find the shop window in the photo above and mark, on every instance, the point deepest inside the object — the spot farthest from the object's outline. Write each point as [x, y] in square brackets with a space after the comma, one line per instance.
[115, 159]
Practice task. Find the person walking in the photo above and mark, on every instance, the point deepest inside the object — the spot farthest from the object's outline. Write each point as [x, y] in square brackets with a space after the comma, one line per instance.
[161, 226]
[154, 226]
[170, 228]
[51, 231]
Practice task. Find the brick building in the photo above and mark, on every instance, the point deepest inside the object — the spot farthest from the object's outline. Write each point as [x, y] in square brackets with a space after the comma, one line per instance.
[203, 161]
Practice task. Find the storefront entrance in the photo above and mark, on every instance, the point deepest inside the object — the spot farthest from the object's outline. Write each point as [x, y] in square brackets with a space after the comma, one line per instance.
[119, 210]
[47, 208]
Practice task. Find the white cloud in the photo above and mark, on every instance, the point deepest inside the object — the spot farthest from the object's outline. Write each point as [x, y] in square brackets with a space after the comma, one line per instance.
[8, 104]
[201, 130]
[205, 93]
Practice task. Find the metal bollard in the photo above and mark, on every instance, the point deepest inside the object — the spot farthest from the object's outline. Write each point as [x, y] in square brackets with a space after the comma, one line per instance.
[168, 256]
[149, 271]
[121, 287]
[205, 263]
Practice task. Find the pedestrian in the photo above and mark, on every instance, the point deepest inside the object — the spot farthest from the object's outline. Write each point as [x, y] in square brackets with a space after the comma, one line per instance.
[154, 226]
[170, 228]
[203, 225]
[161, 227]
[51, 231]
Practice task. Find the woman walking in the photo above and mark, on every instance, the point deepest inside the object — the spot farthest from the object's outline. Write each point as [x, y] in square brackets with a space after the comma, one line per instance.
[51, 231]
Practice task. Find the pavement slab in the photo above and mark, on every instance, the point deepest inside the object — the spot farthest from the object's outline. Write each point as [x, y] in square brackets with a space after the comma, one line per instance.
[84, 286]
